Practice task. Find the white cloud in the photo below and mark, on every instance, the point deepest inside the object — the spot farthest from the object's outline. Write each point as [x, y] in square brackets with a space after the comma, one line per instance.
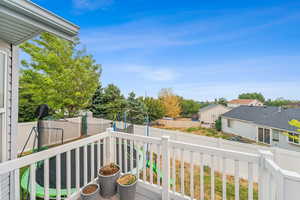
[91, 4]
[153, 74]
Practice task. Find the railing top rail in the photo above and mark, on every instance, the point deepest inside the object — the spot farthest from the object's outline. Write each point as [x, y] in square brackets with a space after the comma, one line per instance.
[153, 140]
[225, 153]
[274, 169]
[33, 158]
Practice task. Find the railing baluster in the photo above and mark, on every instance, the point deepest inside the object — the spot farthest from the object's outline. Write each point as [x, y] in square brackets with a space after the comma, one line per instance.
[212, 174]
[270, 187]
[158, 164]
[138, 159]
[174, 169]
[46, 179]
[192, 174]
[250, 181]
[32, 181]
[182, 172]
[104, 151]
[115, 144]
[236, 180]
[131, 155]
[92, 161]
[201, 177]
[120, 153]
[85, 169]
[17, 184]
[224, 180]
[151, 162]
[98, 155]
[68, 168]
[145, 162]
[126, 156]
[77, 152]
[58, 177]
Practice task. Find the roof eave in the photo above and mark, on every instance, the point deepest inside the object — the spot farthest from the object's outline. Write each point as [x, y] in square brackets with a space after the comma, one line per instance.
[41, 18]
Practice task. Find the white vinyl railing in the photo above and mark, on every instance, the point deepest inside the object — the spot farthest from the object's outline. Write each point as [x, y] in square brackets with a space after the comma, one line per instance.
[177, 170]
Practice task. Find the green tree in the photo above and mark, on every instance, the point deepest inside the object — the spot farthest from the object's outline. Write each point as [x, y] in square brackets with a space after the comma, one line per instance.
[108, 102]
[154, 108]
[223, 101]
[253, 95]
[58, 74]
[135, 109]
[278, 102]
[189, 107]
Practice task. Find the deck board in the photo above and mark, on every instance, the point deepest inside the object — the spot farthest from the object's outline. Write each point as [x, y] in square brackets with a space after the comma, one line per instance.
[138, 197]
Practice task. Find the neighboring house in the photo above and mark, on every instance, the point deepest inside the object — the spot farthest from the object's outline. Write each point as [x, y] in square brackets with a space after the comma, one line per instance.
[268, 125]
[209, 114]
[20, 20]
[244, 102]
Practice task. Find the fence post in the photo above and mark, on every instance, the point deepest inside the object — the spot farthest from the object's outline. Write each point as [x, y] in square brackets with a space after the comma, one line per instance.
[263, 176]
[166, 167]
[110, 146]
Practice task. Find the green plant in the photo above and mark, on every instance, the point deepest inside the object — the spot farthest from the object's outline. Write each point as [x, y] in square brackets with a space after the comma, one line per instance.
[218, 124]
[191, 129]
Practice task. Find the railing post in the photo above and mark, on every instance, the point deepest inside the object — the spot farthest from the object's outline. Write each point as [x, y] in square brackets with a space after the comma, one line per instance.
[110, 147]
[166, 168]
[263, 175]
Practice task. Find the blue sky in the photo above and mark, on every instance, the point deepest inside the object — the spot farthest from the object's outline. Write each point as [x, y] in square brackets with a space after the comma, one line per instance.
[203, 49]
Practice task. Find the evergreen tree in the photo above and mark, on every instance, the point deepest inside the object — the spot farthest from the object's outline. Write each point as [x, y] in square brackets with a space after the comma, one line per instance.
[136, 109]
[108, 102]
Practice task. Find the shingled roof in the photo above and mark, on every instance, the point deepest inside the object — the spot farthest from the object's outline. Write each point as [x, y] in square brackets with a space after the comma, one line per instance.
[275, 117]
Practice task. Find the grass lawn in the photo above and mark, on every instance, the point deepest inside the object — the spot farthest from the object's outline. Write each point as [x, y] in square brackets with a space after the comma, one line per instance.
[210, 132]
[230, 188]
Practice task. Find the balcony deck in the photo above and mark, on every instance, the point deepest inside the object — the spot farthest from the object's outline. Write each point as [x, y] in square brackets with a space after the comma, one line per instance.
[143, 193]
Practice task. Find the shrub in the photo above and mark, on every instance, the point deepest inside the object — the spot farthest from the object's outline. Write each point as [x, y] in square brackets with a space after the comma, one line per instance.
[218, 124]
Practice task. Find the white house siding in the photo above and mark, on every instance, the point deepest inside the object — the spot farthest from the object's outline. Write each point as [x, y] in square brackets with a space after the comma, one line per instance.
[249, 130]
[283, 142]
[209, 116]
[6, 190]
[241, 128]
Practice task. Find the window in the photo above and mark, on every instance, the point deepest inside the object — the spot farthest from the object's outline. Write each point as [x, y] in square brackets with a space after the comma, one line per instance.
[293, 138]
[228, 123]
[2, 104]
[275, 135]
[264, 135]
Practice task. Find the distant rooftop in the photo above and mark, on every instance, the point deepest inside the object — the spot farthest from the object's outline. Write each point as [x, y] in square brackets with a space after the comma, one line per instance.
[270, 116]
[241, 101]
[209, 107]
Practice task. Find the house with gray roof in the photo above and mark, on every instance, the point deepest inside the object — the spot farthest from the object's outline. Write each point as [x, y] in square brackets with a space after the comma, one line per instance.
[209, 114]
[265, 124]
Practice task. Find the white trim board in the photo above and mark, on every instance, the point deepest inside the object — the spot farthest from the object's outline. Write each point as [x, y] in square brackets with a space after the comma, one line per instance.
[3, 112]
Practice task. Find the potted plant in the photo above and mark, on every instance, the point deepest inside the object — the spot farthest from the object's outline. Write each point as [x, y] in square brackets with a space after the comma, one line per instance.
[107, 179]
[127, 186]
[90, 192]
